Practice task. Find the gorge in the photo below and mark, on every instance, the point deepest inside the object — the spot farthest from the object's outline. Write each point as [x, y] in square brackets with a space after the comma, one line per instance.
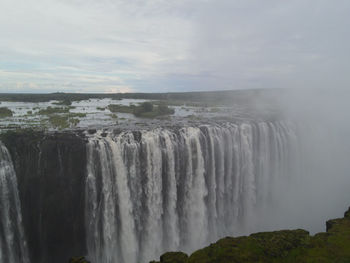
[128, 196]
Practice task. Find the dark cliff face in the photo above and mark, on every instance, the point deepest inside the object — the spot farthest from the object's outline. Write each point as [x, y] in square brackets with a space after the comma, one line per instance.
[51, 173]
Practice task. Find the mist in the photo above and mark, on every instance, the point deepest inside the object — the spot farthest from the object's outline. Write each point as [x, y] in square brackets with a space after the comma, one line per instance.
[300, 50]
[315, 188]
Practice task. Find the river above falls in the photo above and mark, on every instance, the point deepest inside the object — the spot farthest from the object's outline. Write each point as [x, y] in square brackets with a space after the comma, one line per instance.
[95, 113]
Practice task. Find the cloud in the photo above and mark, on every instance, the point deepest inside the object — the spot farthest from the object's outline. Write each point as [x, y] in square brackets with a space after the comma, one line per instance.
[160, 45]
[258, 44]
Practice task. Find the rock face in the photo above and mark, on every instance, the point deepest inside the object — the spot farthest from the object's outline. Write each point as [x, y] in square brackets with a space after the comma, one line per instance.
[280, 246]
[51, 194]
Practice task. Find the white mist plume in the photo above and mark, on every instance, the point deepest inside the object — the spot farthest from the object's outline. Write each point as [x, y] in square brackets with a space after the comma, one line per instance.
[318, 189]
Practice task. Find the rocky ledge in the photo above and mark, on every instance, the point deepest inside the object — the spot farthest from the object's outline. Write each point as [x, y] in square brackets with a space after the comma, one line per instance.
[279, 246]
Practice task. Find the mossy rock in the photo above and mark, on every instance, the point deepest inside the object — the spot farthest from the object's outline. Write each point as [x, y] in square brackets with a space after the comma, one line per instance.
[287, 246]
[279, 243]
[174, 257]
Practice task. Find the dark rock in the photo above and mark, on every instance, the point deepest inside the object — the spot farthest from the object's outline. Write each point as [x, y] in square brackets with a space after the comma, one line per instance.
[91, 131]
[347, 214]
[330, 224]
[51, 171]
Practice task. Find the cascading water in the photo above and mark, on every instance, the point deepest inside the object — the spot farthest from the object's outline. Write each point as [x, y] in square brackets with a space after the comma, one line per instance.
[153, 191]
[13, 247]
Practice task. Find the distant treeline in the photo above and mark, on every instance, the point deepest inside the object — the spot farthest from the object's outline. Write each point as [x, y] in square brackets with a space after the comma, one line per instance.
[226, 96]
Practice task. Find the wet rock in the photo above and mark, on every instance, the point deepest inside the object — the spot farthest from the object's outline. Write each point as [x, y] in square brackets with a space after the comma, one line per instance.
[91, 131]
[50, 171]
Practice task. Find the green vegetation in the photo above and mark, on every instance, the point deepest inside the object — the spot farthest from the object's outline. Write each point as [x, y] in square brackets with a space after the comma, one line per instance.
[65, 102]
[100, 108]
[175, 98]
[60, 122]
[287, 246]
[121, 108]
[146, 106]
[165, 110]
[73, 122]
[63, 121]
[77, 114]
[215, 110]
[148, 110]
[5, 112]
[173, 257]
[193, 117]
[30, 136]
[144, 110]
[53, 110]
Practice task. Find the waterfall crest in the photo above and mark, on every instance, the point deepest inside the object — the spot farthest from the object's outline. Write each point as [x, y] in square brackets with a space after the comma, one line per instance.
[153, 191]
[13, 247]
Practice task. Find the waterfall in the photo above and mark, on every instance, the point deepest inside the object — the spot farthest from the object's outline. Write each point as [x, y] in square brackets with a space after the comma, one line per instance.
[148, 192]
[13, 247]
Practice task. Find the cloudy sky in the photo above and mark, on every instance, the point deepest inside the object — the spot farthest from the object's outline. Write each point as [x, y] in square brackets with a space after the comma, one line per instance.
[172, 45]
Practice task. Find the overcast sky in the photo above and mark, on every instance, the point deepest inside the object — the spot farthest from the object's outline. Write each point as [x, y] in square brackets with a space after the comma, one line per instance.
[172, 45]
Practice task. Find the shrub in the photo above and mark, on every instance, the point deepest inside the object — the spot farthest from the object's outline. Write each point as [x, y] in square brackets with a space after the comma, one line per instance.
[147, 106]
[63, 121]
[121, 108]
[5, 112]
[164, 109]
[77, 114]
[66, 102]
[60, 122]
[52, 110]
[146, 110]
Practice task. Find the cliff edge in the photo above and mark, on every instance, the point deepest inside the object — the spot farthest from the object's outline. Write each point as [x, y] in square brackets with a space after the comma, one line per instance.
[279, 246]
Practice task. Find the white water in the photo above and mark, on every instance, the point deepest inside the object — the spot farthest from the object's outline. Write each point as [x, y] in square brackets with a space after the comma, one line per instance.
[153, 191]
[13, 247]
